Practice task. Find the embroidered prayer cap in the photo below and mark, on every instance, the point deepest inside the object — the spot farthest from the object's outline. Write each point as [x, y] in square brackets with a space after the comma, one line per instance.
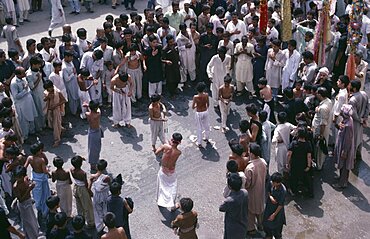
[324, 70]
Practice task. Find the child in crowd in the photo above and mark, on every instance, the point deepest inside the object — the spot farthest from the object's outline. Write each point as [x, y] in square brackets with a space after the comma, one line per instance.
[99, 183]
[55, 109]
[63, 185]
[85, 82]
[282, 139]
[53, 205]
[78, 223]
[6, 129]
[56, 78]
[8, 104]
[81, 191]
[267, 96]
[274, 215]
[60, 231]
[185, 224]
[267, 129]
[113, 231]
[225, 93]
[120, 207]
[298, 91]
[232, 167]
[107, 77]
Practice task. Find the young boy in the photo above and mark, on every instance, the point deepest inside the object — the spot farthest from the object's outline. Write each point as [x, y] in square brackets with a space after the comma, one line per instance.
[121, 87]
[225, 94]
[232, 167]
[99, 183]
[81, 191]
[274, 215]
[266, 95]
[8, 103]
[70, 79]
[157, 116]
[185, 224]
[78, 223]
[113, 232]
[201, 104]
[267, 128]
[297, 91]
[55, 108]
[120, 207]
[85, 82]
[53, 204]
[245, 136]
[22, 191]
[237, 151]
[282, 139]
[63, 185]
[57, 79]
[40, 175]
[95, 134]
[60, 231]
[6, 129]
[107, 77]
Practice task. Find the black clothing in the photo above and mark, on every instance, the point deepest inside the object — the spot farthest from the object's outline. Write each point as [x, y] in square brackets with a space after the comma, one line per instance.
[79, 235]
[6, 70]
[172, 72]
[59, 233]
[4, 224]
[259, 133]
[154, 70]
[293, 107]
[50, 223]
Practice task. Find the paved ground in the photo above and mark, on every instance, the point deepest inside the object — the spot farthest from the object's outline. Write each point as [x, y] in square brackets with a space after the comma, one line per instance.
[201, 173]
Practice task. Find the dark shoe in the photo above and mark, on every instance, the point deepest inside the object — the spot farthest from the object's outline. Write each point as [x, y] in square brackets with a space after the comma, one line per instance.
[114, 7]
[26, 20]
[77, 13]
[128, 8]
[49, 32]
[73, 12]
[133, 9]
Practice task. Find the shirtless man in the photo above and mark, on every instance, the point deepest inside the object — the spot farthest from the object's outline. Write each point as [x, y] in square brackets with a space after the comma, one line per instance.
[225, 93]
[245, 136]
[266, 95]
[255, 125]
[94, 134]
[22, 190]
[40, 175]
[113, 232]
[85, 82]
[133, 59]
[167, 181]
[237, 154]
[122, 87]
[157, 115]
[201, 104]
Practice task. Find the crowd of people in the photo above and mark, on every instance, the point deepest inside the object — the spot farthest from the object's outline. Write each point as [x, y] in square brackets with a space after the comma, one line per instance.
[303, 111]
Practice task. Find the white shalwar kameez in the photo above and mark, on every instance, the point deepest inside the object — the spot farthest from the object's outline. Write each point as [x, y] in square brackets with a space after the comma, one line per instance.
[96, 69]
[57, 14]
[24, 7]
[244, 67]
[10, 10]
[59, 84]
[122, 106]
[290, 68]
[217, 70]
[187, 56]
[240, 26]
[282, 140]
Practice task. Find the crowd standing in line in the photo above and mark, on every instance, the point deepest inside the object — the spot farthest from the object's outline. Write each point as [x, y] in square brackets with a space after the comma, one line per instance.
[264, 50]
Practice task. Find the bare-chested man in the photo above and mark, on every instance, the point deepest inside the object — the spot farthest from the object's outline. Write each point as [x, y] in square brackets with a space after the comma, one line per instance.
[113, 232]
[167, 181]
[237, 154]
[133, 59]
[40, 175]
[22, 190]
[201, 104]
[245, 136]
[266, 95]
[255, 125]
[94, 134]
[225, 94]
[157, 115]
[121, 86]
[85, 82]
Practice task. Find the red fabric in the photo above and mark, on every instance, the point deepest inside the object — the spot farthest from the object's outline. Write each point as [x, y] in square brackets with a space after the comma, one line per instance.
[351, 67]
[263, 17]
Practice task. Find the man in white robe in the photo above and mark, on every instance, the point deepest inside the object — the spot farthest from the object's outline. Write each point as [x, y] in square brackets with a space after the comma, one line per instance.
[24, 7]
[23, 101]
[244, 68]
[57, 15]
[236, 27]
[10, 9]
[121, 87]
[218, 67]
[187, 48]
[293, 58]
[340, 99]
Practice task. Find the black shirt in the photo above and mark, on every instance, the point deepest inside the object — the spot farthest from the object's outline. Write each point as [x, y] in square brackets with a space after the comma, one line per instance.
[293, 107]
[299, 155]
[6, 70]
[154, 70]
[79, 235]
[4, 224]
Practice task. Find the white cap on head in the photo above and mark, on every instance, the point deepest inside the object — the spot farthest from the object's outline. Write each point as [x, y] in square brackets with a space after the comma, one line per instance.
[157, 7]
[324, 70]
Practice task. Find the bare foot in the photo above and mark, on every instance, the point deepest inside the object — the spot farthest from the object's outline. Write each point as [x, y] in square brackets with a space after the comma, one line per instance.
[56, 144]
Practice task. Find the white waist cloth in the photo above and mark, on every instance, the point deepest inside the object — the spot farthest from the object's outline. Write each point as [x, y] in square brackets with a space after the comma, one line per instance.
[167, 188]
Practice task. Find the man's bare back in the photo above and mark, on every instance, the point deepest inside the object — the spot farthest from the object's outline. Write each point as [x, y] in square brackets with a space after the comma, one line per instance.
[62, 175]
[170, 156]
[37, 163]
[266, 93]
[115, 233]
[201, 102]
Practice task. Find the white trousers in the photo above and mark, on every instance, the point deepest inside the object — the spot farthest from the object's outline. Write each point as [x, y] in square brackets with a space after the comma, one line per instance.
[136, 76]
[224, 109]
[202, 120]
[157, 130]
[121, 108]
[155, 88]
